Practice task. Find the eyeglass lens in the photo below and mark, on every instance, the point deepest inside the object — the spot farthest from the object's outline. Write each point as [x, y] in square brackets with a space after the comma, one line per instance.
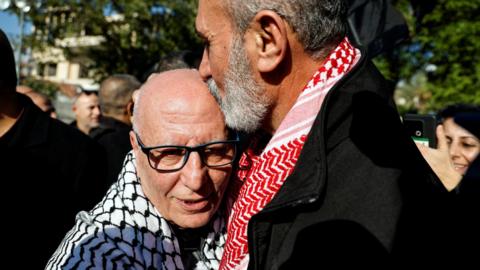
[173, 158]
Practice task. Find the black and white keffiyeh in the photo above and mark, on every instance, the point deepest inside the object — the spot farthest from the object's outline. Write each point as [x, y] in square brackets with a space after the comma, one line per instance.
[125, 231]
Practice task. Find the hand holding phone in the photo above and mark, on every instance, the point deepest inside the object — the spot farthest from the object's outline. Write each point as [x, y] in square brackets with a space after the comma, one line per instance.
[421, 128]
[440, 161]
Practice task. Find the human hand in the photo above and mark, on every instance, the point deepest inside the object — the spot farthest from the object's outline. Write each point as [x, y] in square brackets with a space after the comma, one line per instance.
[440, 161]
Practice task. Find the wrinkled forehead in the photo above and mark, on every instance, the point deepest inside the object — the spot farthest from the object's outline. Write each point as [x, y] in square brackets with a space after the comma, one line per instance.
[173, 102]
[186, 110]
[182, 125]
[210, 14]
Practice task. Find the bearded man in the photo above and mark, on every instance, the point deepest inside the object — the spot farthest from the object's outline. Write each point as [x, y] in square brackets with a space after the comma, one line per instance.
[329, 164]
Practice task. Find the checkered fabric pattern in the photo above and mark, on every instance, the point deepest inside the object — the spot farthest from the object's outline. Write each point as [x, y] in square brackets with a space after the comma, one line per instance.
[264, 174]
[125, 231]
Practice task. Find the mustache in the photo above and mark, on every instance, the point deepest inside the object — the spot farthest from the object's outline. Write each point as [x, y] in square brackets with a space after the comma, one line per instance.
[214, 90]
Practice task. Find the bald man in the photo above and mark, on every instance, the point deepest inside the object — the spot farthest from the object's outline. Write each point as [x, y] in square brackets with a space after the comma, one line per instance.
[42, 102]
[171, 219]
[39, 99]
[86, 108]
[115, 95]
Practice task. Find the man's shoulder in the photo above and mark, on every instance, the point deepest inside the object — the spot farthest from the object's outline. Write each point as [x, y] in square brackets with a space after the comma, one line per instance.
[110, 211]
[38, 128]
[116, 210]
[79, 156]
[71, 133]
[66, 137]
[109, 126]
[85, 246]
[365, 77]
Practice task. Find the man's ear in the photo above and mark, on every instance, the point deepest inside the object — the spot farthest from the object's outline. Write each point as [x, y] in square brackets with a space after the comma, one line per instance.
[133, 141]
[268, 36]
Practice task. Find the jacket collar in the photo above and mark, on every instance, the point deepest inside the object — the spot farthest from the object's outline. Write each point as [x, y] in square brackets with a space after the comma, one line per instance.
[308, 180]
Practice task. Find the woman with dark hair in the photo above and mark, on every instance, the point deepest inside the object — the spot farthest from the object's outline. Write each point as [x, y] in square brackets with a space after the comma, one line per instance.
[457, 147]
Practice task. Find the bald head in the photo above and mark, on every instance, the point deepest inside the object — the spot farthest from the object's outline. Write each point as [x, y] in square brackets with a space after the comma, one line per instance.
[175, 109]
[8, 74]
[87, 111]
[175, 97]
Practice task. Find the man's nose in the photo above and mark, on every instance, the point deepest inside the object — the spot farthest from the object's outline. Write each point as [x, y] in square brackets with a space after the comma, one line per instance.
[194, 172]
[96, 111]
[204, 68]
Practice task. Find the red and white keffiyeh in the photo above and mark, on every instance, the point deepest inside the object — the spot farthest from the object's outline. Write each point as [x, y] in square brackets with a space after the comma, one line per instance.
[266, 172]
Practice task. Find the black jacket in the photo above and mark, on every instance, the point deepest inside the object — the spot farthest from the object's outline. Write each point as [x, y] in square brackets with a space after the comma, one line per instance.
[358, 186]
[114, 136]
[49, 172]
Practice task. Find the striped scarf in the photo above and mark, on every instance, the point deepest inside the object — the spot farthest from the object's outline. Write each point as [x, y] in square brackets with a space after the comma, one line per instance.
[267, 171]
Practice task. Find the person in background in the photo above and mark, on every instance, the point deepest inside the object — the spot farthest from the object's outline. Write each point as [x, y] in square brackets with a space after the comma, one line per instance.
[49, 170]
[456, 162]
[115, 99]
[23, 89]
[319, 186]
[86, 108]
[43, 102]
[39, 99]
[175, 60]
[470, 184]
[178, 59]
[457, 147]
[115, 95]
[166, 210]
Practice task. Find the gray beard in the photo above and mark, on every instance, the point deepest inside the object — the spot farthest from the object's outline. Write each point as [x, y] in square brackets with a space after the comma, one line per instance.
[245, 104]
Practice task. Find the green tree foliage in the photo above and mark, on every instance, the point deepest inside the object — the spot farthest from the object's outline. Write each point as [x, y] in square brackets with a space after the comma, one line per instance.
[444, 51]
[451, 33]
[439, 65]
[137, 33]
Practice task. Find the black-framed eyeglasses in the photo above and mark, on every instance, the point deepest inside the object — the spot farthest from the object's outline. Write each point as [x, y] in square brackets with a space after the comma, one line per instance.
[171, 158]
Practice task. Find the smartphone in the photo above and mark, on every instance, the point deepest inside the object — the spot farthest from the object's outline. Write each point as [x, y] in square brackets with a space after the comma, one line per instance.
[421, 128]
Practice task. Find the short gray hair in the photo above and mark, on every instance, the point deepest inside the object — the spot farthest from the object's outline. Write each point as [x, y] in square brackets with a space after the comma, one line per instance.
[115, 93]
[319, 24]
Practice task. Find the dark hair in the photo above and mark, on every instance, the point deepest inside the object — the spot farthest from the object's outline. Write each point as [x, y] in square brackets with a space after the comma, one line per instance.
[8, 74]
[116, 92]
[455, 109]
[176, 60]
[179, 59]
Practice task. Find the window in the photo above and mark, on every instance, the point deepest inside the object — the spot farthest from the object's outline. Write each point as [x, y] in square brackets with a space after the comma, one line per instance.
[51, 69]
